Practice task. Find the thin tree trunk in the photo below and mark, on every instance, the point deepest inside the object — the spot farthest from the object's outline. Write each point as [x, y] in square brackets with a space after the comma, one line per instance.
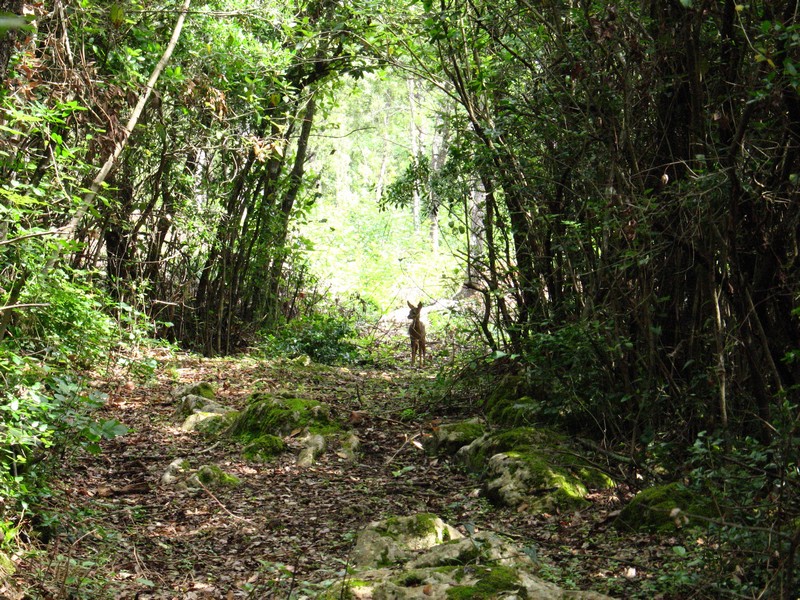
[414, 138]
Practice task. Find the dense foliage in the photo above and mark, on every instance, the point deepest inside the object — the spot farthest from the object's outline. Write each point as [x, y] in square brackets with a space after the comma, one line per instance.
[620, 181]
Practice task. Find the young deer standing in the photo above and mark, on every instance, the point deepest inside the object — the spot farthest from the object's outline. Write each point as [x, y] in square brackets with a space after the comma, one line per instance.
[416, 331]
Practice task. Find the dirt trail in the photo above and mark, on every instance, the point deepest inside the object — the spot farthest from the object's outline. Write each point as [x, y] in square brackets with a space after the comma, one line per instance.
[285, 527]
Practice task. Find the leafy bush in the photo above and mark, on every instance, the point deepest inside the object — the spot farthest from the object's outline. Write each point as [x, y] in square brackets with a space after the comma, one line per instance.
[567, 373]
[41, 414]
[72, 323]
[323, 338]
[756, 485]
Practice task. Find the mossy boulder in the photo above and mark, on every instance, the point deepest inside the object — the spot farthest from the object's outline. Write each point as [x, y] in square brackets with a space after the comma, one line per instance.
[534, 467]
[489, 582]
[395, 539]
[447, 439]
[213, 424]
[214, 477]
[264, 448]
[509, 403]
[476, 454]
[481, 548]
[208, 423]
[204, 389]
[480, 567]
[192, 403]
[665, 508]
[269, 414]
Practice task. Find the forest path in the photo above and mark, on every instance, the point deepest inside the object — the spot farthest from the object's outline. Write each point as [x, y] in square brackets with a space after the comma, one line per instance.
[122, 534]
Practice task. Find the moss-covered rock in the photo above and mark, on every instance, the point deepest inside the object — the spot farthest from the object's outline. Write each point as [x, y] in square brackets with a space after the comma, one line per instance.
[664, 508]
[349, 446]
[480, 548]
[536, 467]
[265, 448]
[489, 583]
[475, 455]
[509, 403]
[7, 567]
[513, 412]
[213, 476]
[215, 424]
[193, 403]
[483, 566]
[203, 389]
[204, 421]
[449, 438]
[395, 539]
[267, 414]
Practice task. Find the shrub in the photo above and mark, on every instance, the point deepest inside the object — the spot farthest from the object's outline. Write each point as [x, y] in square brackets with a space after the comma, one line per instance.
[324, 338]
[42, 415]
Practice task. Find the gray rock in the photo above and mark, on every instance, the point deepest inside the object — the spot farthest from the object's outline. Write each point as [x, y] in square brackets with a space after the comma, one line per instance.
[175, 472]
[406, 558]
[396, 539]
[200, 420]
[314, 445]
[191, 404]
[450, 437]
[350, 446]
[204, 389]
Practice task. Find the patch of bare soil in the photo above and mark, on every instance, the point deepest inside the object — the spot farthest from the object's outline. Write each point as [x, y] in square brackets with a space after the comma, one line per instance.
[285, 530]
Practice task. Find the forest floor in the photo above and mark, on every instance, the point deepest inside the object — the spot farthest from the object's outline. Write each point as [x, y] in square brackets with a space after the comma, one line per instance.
[286, 531]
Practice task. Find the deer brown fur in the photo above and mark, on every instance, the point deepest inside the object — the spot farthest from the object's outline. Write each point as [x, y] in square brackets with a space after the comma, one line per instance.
[416, 331]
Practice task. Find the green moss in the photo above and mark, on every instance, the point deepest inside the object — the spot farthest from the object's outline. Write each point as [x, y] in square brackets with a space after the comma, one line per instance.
[469, 430]
[554, 474]
[280, 416]
[384, 561]
[654, 509]
[491, 582]
[411, 579]
[514, 440]
[216, 424]
[258, 396]
[513, 412]
[265, 447]
[419, 525]
[596, 479]
[521, 437]
[509, 403]
[204, 389]
[7, 567]
[453, 436]
[212, 475]
[424, 524]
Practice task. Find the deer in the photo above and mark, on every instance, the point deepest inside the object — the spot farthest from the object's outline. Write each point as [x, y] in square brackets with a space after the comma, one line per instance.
[416, 331]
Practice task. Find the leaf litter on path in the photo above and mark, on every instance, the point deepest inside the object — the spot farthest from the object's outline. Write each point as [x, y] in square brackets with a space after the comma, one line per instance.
[285, 530]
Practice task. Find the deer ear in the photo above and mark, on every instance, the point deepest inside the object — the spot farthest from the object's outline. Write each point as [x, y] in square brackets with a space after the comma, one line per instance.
[420, 305]
[409, 304]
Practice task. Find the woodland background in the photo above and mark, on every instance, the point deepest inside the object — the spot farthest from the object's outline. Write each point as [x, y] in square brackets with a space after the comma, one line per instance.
[615, 185]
